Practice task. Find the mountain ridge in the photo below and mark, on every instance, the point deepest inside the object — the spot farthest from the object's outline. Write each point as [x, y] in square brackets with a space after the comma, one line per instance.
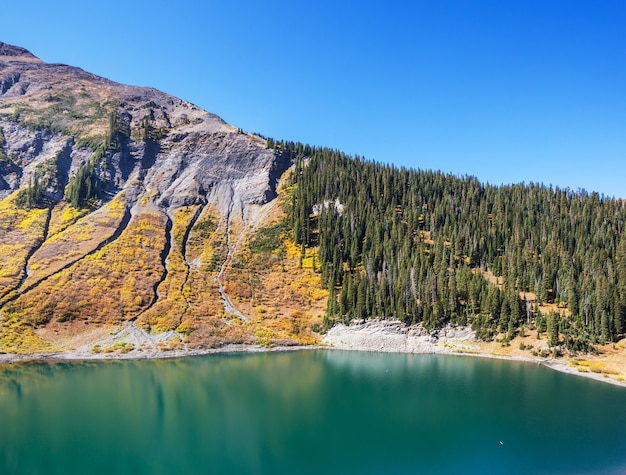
[134, 223]
[86, 162]
[16, 51]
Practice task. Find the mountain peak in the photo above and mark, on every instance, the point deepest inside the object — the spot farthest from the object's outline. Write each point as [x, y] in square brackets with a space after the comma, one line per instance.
[8, 50]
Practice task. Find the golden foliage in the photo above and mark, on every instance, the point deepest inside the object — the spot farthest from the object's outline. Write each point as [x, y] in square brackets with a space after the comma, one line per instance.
[281, 296]
[103, 286]
[283, 299]
[174, 297]
[17, 337]
[73, 235]
[64, 215]
[20, 231]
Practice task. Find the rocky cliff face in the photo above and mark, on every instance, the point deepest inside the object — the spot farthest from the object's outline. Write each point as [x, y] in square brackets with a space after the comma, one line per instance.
[119, 204]
[175, 149]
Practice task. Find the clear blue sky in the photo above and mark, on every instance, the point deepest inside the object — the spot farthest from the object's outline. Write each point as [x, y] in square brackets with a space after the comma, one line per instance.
[508, 91]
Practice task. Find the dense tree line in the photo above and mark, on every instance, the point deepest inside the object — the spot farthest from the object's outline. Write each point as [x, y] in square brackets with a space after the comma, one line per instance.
[424, 246]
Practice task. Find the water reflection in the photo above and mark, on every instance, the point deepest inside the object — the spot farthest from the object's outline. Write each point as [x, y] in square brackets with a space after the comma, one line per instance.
[306, 412]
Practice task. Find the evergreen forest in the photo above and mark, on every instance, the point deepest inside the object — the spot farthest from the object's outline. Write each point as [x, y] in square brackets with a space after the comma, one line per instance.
[432, 248]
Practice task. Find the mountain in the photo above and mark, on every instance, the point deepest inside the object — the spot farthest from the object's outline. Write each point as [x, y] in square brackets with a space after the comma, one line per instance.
[133, 221]
[123, 205]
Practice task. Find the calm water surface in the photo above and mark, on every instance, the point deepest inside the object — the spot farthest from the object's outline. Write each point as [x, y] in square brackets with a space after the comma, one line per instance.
[307, 412]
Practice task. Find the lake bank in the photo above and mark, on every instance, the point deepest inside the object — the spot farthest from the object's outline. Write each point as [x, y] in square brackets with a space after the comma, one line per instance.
[9, 358]
[395, 337]
[383, 336]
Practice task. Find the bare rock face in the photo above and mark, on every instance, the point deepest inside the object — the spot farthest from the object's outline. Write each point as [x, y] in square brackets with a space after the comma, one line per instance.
[396, 337]
[179, 153]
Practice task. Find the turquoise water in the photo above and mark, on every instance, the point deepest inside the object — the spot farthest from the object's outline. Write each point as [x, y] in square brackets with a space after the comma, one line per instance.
[307, 412]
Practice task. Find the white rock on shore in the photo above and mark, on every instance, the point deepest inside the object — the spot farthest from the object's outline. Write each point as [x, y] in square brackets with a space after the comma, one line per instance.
[394, 336]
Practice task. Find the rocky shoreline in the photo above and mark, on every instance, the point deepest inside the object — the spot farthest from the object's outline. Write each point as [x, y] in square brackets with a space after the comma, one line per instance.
[395, 337]
[387, 336]
[392, 336]
[9, 358]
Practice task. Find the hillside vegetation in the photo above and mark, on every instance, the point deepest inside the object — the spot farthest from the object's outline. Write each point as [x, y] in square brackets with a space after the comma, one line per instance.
[125, 209]
[426, 247]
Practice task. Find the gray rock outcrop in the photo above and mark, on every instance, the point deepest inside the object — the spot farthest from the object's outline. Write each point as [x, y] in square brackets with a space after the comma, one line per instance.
[175, 153]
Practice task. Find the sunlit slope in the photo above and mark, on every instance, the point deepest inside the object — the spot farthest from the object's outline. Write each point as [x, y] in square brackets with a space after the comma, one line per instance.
[125, 208]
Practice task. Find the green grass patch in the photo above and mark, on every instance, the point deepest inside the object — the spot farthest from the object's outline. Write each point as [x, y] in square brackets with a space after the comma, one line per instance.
[268, 239]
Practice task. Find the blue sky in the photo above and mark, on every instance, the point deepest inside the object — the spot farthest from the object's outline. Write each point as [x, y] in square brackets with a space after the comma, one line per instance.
[507, 91]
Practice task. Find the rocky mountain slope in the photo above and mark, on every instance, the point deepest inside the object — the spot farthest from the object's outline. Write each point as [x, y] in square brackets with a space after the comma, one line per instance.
[123, 207]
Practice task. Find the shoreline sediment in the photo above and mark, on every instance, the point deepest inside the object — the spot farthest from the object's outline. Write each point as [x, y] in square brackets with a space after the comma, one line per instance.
[10, 358]
[382, 336]
[395, 337]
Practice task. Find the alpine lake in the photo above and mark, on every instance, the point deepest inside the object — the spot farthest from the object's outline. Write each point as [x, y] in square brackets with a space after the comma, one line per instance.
[307, 412]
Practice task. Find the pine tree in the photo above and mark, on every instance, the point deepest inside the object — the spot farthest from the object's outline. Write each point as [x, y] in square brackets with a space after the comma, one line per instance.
[553, 329]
